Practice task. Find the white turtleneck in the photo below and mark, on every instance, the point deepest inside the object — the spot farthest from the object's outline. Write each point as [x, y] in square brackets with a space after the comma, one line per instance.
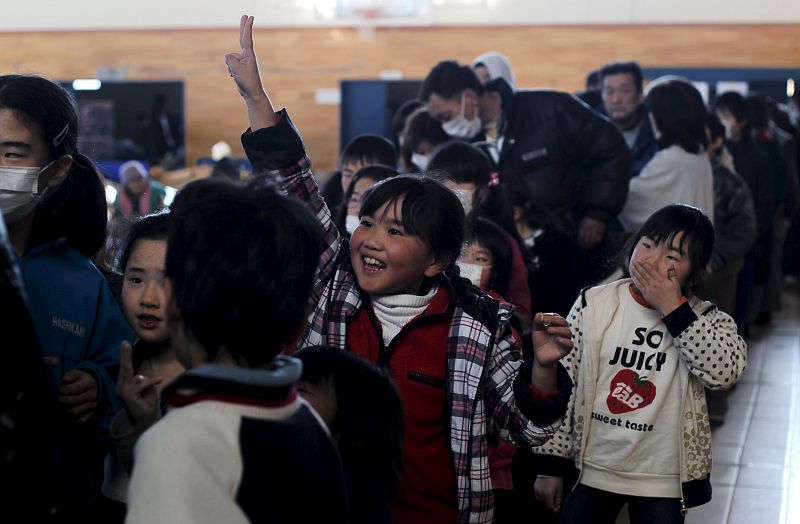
[395, 311]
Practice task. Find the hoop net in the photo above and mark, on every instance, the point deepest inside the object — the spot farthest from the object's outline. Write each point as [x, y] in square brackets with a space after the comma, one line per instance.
[368, 18]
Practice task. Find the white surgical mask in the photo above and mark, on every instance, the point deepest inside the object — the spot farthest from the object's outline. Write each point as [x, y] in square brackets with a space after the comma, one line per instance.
[460, 127]
[19, 191]
[728, 128]
[471, 272]
[419, 160]
[351, 223]
[465, 196]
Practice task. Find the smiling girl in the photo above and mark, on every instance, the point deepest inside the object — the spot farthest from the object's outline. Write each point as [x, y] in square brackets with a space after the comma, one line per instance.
[395, 298]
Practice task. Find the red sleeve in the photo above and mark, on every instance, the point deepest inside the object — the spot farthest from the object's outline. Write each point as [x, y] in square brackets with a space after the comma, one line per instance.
[545, 396]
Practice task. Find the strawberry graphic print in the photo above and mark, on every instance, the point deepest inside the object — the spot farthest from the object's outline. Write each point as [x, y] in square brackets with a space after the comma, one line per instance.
[629, 392]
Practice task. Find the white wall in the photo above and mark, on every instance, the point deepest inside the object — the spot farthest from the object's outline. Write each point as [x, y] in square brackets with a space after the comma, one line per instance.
[184, 14]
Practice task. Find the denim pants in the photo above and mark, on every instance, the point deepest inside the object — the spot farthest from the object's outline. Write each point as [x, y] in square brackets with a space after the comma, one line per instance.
[585, 505]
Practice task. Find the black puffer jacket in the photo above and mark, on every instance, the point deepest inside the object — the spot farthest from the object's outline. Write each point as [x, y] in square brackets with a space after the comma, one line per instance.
[576, 162]
[734, 218]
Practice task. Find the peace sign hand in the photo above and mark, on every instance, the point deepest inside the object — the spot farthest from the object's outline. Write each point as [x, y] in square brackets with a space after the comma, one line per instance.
[243, 68]
[137, 391]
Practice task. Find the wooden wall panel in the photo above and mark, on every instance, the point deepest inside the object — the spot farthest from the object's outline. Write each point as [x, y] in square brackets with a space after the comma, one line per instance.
[296, 62]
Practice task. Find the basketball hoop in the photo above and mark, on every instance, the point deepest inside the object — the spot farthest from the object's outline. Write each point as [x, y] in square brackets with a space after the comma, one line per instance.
[368, 19]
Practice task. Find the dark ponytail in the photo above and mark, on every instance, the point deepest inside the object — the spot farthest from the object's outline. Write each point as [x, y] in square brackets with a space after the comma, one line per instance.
[76, 210]
[462, 286]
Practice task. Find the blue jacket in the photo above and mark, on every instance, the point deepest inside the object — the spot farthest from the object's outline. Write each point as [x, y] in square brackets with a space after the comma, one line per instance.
[644, 147]
[76, 318]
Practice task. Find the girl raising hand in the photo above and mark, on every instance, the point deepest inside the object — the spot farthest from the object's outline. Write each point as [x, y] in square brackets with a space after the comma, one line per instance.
[393, 295]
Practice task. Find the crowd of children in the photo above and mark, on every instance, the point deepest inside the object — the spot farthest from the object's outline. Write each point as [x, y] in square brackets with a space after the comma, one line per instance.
[417, 341]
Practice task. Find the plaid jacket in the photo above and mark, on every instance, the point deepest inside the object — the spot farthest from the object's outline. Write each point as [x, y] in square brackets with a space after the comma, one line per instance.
[487, 378]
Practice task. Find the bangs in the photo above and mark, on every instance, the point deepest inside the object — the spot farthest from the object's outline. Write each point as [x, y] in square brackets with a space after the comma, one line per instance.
[668, 237]
[418, 202]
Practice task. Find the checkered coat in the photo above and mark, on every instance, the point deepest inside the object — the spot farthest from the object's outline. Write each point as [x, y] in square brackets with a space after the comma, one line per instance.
[487, 379]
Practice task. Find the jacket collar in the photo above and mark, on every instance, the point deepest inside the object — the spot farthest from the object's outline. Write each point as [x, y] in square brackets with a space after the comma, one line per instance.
[270, 388]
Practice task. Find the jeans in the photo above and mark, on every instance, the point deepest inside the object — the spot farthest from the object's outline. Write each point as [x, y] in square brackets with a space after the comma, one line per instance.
[584, 504]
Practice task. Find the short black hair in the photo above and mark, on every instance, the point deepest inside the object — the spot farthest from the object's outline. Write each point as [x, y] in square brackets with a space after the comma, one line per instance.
[376, 173]
[735, 104]
[422, 127]
[448, 79]
[368, 424]
[680, 115]
[593, 80]
[715, 127]
[149, 227]
[534, 216]
[665, 224]
[402, 113]
[226, 167]
[369, 148]
[618, 68]
[759, 105]
[241, 260]
[492, 237]
[463, 162]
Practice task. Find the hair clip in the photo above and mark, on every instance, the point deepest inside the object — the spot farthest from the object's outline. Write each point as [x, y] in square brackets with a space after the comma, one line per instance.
[61, 136]
[494, 179]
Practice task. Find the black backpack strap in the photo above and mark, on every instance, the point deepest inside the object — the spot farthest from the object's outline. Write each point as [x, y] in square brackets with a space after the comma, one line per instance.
[482, 308]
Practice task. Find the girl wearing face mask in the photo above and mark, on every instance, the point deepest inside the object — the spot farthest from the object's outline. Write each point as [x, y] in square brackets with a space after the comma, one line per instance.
[366, 177]
[53, 201]
[468, 173]
[487, 259]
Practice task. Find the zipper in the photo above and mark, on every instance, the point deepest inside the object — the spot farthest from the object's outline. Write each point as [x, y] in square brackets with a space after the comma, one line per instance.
[428, 380]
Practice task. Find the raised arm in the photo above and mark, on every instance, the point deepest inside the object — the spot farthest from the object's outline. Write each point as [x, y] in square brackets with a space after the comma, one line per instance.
[243, 68]
[276, 150]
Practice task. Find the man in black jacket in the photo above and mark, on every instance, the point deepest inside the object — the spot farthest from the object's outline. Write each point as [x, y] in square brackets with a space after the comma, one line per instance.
[576, 163]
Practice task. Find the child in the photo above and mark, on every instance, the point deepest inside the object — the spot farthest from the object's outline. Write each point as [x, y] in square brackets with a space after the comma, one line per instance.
[422, 135]
[471, 177]
[361, 407]
[637, 425]
[346, 217]
[237, 443]
[487, 254]
[54, 205]
[151, 363]
[363, 150]
[450, 351]
[557, 268]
